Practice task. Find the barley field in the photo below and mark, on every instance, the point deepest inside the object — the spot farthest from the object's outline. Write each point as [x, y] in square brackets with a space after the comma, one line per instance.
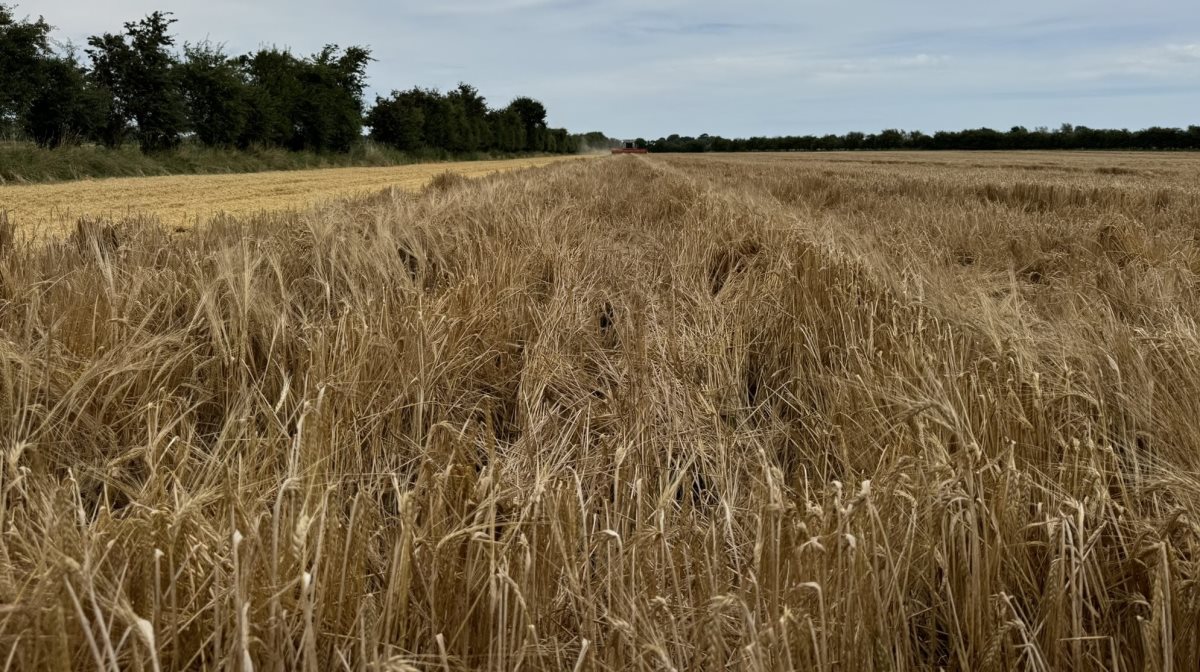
[754, 412]
[184, 200]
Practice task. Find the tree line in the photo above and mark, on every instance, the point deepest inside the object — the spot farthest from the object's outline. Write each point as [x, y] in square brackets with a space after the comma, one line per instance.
[1018, 137]
[461, 121]
[136, 85]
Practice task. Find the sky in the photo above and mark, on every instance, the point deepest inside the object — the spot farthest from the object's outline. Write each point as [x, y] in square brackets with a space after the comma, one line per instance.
[649, 68]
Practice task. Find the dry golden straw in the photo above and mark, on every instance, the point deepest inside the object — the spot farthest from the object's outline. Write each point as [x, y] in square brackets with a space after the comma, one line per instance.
[185, 199]
[831, 412]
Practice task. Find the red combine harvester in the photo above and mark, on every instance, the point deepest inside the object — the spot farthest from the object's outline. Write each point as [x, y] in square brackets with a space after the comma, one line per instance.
[629, 148]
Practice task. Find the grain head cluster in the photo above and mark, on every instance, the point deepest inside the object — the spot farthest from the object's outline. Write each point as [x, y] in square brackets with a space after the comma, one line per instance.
[845, 412]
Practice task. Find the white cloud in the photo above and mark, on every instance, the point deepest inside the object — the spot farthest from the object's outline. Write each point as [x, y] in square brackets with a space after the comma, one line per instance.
[1189, 53]
[1169, 61]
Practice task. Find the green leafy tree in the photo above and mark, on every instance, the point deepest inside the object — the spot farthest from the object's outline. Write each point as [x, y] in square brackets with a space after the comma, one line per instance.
[436, 113]
[472, 125]
[558, 141]
[398, 121]
[215, 93]
[329, 113]
[274, 87]
[508, 129]
[24, 50]
[138, 71]
[111, 64]
[533, 120]
[305, 103]
[64, 108]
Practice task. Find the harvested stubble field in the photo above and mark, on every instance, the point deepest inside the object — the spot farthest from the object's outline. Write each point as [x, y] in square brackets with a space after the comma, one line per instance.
[844, 412]
[184, 200]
